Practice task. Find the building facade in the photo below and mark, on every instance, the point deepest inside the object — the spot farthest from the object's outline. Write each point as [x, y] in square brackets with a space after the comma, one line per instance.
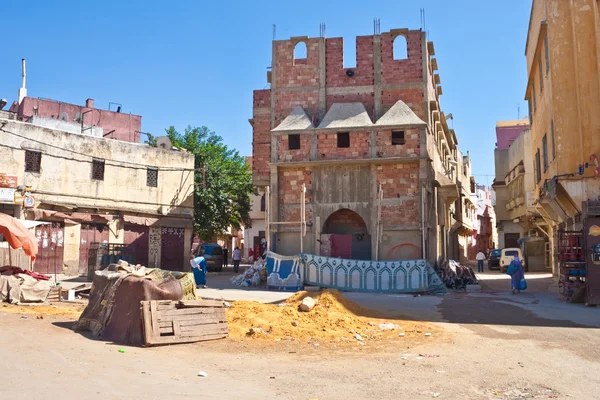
[563, 66]
[254, 233]
[369, 144]
[88, 189]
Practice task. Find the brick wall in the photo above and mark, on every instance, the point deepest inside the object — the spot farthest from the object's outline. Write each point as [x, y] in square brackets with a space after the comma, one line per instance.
[410, 148]
[285, 102]
[363, 71]
[414, 98]
[327, 148]
[303, 73]
[398, 180]
[301, 154]
[290, 186]
[261, 134]
[402, 71]
[345, 221]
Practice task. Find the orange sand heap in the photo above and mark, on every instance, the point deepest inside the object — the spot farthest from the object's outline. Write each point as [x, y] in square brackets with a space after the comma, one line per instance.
[61, 308]
[334, 319]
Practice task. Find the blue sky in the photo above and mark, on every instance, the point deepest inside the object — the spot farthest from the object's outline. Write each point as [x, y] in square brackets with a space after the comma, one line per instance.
[196, 63]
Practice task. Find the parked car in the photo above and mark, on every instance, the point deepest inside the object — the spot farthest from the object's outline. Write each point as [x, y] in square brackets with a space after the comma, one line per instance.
[507, 256]
[494, 259]
[213, 253]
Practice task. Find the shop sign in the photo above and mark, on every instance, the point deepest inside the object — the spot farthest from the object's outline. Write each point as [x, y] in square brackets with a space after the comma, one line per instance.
[8, 181]
[7, 194]
[594, 230]
[28, 201]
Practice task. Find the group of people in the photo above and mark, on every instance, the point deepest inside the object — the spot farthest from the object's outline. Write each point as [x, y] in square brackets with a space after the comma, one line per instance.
[199, 268]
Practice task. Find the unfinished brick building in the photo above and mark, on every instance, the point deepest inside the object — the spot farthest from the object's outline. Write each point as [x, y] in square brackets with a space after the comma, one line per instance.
[347, 133]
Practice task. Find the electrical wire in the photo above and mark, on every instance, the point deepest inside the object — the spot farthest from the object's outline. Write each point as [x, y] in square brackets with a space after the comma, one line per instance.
[112, 162]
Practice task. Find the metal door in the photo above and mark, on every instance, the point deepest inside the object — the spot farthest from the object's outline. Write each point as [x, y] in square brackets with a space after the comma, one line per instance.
[90, 233]
[50, 240]
[172, 247]
[511, 240]
[335, 245]
[137, 237]
[592, 235]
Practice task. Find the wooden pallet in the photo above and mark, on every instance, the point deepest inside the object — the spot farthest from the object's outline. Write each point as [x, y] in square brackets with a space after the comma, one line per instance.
[186, 321]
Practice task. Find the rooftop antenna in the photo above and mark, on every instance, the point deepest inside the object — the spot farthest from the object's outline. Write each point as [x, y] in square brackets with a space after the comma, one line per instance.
[322, 30]
[518, 111]
[274, 31]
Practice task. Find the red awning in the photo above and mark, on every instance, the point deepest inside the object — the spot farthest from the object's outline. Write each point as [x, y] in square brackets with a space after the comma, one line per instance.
[18, 236]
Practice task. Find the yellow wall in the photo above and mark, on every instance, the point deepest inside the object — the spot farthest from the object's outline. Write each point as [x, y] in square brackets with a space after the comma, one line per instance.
[571, 90]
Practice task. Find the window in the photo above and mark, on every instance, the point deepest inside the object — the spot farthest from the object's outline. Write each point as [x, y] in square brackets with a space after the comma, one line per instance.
[33, 161]
[534, 98]
[546, 53]
[538, 172]
[300, 53]
[541, 74]
[530, 111]
[545, 151]
[152, 177]
[294, 142]
[400, 48]
[343, 139]
[98, 170]
[397, 138]
[553, 141]
[263, 203]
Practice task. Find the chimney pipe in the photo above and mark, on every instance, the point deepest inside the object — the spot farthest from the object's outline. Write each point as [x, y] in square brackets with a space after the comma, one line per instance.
[23, 89]
[89, 103]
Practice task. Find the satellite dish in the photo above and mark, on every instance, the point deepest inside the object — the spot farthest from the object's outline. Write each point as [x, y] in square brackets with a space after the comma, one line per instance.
[163, 142]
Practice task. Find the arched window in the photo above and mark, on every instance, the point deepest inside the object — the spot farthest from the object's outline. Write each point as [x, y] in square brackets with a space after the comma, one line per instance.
[400, 48]
[263, 205]
[300, 52]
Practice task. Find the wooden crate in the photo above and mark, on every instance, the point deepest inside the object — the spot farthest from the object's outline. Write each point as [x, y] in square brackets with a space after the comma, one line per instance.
[186, 321]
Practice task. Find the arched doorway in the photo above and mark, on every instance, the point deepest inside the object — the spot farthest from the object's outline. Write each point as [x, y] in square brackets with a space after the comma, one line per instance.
[345, 234]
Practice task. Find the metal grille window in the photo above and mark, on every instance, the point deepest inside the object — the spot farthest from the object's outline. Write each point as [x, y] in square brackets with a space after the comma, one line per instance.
[343, 139]
[33, 161]
[546, 53]
[294, 142]
[545, 152]
[541, 74]
[397, 138]
[538, 171]
[152, 177]
[553, 140]
[98, 170]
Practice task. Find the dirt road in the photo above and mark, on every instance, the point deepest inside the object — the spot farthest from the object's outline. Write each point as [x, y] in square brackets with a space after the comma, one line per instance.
[495, 347]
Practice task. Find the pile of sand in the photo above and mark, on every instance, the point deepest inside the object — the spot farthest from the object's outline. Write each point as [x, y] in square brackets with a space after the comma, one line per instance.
[334, 319]
[61, 308]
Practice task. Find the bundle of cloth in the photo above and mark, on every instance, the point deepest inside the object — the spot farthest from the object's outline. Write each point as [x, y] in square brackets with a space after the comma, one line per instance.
[113, 312]
[256, 275]
[455, 275]
[20, 286]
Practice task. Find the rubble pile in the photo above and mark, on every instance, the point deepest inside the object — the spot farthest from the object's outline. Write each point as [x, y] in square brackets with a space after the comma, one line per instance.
[330, 318]
[256, 275]
[454, 275]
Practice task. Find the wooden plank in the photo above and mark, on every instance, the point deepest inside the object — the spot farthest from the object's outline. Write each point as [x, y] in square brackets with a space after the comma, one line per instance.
[200, 303]
[188, 311]
[176, 328]
[165, 307]
[177, 340]
[146, 322]
[184, 318]
[154, 316]
[204, 330]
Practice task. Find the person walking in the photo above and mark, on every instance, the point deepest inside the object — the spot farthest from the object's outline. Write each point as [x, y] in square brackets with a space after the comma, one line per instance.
[517, 275]
[199, 269]
[480, 257]
[237, 257]
[225, 256]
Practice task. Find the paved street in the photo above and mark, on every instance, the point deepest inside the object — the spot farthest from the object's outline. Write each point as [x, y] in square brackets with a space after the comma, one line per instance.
[493, 342]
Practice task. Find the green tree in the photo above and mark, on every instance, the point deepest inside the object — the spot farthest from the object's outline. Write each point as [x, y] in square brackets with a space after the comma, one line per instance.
[223, 181]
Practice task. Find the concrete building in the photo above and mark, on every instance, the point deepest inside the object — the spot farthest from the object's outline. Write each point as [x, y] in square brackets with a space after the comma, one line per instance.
[256, 231]
[351, 135]
[464, 214]
[563, 56]
[89, 189]
[486, 237]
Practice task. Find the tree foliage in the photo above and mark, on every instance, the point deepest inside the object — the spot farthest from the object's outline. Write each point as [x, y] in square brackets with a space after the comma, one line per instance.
[223, 181]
